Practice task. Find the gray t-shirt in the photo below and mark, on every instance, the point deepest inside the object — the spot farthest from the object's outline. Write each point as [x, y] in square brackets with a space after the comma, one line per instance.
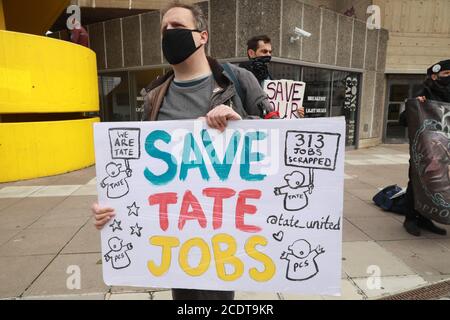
[187, 100]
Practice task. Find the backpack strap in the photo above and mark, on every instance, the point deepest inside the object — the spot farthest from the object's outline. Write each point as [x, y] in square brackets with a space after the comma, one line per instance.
[235, 81]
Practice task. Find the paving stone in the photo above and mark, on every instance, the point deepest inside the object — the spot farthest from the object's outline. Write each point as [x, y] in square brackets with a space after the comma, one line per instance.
[358, 257]
[351, 233]
[162, 295]
[377, 288]
[130, 296]
[60, 273]
[349, 291]
[424, 256]
[87, 240]
[37, 242]
[381, 228]
[240, 295]
[55, 191]
[18, 273]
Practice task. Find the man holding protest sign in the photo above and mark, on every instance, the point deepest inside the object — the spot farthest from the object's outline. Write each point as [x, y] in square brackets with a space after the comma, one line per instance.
[437, 171]
[198, 87]
[285, 96]
[259, 52]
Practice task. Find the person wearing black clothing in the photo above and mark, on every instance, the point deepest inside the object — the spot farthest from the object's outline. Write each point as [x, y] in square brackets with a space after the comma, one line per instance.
[259, 52]
[194, 76]
[436, 87]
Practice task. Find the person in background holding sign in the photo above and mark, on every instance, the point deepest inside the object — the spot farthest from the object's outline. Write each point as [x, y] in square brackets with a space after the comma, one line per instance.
[197, 87]
[436, 87]
[259, 52]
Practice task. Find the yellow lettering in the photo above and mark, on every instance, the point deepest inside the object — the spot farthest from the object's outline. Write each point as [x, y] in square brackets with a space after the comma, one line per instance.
[269, 271]
[166, 243]
[204, 262]
[226, 257]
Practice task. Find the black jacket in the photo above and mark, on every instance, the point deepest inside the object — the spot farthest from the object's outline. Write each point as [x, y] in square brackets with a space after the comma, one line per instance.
[248, 65]
[430, 94]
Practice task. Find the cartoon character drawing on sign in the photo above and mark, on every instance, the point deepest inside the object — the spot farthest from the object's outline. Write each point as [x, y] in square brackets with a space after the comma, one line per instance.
[118, 255]
[302, 261]
[116, 181]
[295, 193]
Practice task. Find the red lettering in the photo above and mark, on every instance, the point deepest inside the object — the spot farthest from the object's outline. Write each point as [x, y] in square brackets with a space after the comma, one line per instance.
[197, 213]
[243, 208]
[219, 194]
[163, 199]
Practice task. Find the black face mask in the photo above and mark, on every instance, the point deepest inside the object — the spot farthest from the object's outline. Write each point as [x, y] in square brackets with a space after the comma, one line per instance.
[263, 60]
[439, 90]
[178, 45]
[259, 67]
[444, 81]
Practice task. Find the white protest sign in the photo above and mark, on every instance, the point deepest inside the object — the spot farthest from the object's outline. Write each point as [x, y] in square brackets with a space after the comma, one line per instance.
[285, 96]
[200, 209]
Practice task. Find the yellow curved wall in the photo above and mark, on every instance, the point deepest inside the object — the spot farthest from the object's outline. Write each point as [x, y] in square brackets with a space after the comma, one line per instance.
[44, 75]
[39, 149]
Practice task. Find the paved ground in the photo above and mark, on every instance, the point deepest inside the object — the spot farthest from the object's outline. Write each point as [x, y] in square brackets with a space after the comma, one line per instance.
[46, 228]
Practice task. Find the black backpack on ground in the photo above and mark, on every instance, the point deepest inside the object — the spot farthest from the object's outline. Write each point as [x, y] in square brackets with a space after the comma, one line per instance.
[392, 199]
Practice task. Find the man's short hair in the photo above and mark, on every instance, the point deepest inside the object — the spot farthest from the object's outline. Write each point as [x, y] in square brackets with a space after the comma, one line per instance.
[254, 42]
[201, 23]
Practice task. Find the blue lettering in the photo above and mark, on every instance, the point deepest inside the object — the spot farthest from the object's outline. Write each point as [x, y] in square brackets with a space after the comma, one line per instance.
[154, 152]
[248, 156]
[223, 168]
[187, 164]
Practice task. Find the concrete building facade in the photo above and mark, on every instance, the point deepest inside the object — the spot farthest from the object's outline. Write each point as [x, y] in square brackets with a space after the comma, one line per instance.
[343, 62]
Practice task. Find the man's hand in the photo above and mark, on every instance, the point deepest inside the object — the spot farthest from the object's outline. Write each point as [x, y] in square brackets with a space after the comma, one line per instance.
[102, 215]
[218, 117]
[301, 112]
[422, 99]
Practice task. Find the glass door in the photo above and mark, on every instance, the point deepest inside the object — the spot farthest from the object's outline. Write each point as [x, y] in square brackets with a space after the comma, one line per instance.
[399, 90]
[115, 97]
[317, 92]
